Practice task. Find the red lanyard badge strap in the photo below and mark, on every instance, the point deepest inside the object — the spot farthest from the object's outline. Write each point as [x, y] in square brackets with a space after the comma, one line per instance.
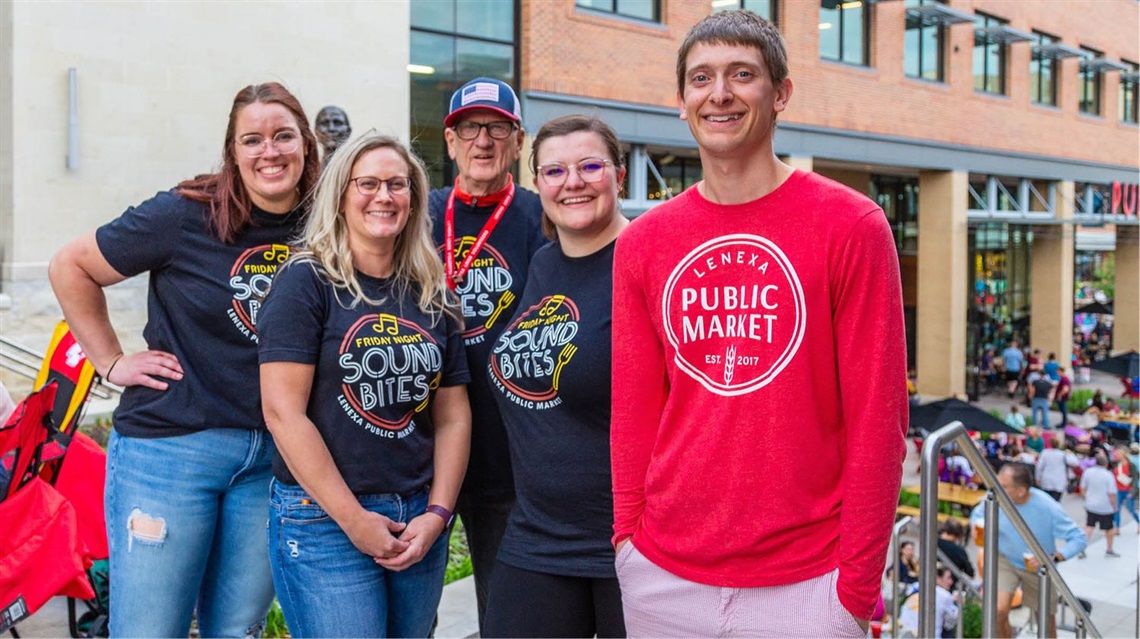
[455, 276]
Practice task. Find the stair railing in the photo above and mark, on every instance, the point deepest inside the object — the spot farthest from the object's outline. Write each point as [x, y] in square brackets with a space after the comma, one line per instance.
[1048, 576]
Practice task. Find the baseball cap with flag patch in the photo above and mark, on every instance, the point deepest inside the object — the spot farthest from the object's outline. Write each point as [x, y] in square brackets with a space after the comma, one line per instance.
[484, 93]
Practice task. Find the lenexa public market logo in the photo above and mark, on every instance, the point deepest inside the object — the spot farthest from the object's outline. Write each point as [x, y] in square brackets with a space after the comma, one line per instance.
[734, 312]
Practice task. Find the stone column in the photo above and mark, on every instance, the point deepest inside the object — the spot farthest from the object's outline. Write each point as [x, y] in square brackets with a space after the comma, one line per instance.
[1126, 319]
[942, 283]
[1051, 282]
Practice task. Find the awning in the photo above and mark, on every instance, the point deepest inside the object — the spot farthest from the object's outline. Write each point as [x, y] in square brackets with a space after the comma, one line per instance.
[935, 14]
[1056, 51]
[1002, 34]
[1103, 65]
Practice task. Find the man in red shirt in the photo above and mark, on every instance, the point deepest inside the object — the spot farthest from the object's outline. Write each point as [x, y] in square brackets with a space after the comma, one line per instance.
[762, 288]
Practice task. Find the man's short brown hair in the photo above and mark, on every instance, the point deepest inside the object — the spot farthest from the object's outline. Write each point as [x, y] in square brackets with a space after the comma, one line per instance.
[740, 27]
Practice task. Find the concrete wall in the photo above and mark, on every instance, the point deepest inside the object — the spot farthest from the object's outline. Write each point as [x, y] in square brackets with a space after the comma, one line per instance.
[155, 84]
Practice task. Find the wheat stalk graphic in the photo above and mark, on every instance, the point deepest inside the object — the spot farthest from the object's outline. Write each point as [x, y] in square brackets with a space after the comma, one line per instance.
[729, 363]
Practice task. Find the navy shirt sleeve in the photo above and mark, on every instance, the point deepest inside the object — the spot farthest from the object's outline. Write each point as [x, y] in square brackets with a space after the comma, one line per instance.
[142, 238]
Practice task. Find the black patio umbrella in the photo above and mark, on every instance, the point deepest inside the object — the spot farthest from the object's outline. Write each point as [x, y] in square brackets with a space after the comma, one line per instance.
[935, 415]
[1122, 365]
[1095, 308]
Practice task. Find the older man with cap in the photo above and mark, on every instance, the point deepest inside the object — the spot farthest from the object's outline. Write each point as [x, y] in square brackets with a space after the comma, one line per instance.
[487, 228]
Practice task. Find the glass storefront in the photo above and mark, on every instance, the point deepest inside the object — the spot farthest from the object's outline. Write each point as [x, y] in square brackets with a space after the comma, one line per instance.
[999, 280]
[442, 58]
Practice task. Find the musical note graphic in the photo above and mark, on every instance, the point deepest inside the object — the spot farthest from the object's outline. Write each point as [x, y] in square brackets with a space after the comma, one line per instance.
[551, 305]
[276, 253]
[386, 324]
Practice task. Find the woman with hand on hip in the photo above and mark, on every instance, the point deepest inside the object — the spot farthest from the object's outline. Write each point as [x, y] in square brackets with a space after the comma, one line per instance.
[189, 461]
[363, 374]
[555, 572]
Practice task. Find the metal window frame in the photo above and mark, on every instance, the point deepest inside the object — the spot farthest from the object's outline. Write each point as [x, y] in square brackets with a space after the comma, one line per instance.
[1022, 199]
[865, 34]
[1037, 56]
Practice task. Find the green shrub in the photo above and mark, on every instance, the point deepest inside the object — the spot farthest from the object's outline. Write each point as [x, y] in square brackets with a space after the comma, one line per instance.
[458, 556]
[1079, 400]
[971, 619]
[909, 499]
[275, 623]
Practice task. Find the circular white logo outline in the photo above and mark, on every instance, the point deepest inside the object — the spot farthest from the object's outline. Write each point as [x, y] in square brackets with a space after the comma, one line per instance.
[785, 357]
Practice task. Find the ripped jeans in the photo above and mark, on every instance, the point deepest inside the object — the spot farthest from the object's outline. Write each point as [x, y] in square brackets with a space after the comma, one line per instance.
[186, 525]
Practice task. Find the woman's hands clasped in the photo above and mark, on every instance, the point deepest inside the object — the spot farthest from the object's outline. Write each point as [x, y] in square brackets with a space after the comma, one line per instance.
[420, 534]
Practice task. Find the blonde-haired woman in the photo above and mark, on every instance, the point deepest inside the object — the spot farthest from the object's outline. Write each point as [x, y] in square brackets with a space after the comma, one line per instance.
[362, 377]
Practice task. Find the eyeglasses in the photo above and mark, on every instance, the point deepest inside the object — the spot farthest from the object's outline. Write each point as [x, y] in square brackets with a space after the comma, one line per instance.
[498, 130]
[590, 170]
[254, 146]
[368, 185]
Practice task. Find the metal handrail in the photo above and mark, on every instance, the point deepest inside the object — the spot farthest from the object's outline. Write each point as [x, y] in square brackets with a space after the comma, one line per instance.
[996, 498]
[899, 528]
[25, 362]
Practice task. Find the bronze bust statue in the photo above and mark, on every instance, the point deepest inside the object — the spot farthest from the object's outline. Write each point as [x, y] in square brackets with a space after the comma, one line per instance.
[332, 130]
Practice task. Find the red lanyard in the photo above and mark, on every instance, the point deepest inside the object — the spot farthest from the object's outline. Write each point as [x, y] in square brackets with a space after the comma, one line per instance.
[454, 277]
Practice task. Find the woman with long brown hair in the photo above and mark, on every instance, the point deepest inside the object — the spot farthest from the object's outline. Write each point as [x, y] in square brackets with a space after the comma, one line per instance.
[189, 461]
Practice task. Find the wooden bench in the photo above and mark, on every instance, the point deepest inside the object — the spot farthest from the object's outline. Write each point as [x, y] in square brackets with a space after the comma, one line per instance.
[914, 511]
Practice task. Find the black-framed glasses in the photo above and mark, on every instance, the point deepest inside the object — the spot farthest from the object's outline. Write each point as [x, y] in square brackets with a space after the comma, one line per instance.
[254, 146]
[589, 169]
[498, 130]
[368, 185]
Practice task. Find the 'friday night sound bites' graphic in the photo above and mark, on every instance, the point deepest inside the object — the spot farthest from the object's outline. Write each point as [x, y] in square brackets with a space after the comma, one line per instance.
[734, 311]
[484, 294]
[390, 366]
[529, 357]
[250, 278]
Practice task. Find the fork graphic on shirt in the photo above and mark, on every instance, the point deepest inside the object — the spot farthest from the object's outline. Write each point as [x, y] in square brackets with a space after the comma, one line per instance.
[563, 359]
[504, 302]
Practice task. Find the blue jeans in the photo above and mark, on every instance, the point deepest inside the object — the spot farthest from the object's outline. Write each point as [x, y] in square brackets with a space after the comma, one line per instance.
[1124, 500]
[1040, 404]
[186, 526]
[328, 588]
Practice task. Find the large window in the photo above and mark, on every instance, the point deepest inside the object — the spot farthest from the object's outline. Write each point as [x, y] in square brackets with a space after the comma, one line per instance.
[1042, 72]
[764, 8]
[1000, 293]
[1129, 92]
[453, 41]
[844, 31]
[989, 57]
[639, 9]
[898, 197]
[923, 53]
[1090, 79]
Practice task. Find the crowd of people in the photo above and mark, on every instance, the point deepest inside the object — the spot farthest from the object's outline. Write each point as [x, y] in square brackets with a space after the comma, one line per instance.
[311, 360]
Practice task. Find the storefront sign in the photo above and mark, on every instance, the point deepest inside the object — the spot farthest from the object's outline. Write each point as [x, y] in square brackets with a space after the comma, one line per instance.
[1124, 198]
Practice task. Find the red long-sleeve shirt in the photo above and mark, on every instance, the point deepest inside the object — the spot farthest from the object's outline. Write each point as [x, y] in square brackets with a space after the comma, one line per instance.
[759, 388]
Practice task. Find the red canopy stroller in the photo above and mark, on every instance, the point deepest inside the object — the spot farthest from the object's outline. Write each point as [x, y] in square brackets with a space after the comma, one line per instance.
[52, 527]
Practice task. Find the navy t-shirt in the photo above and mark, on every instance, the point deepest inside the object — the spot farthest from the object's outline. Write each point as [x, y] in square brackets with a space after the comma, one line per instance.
[376, 369]
[551, 373]
[488, 297]
[202, 304]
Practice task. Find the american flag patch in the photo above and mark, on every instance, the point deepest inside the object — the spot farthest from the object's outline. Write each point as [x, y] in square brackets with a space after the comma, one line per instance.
[480, 91]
